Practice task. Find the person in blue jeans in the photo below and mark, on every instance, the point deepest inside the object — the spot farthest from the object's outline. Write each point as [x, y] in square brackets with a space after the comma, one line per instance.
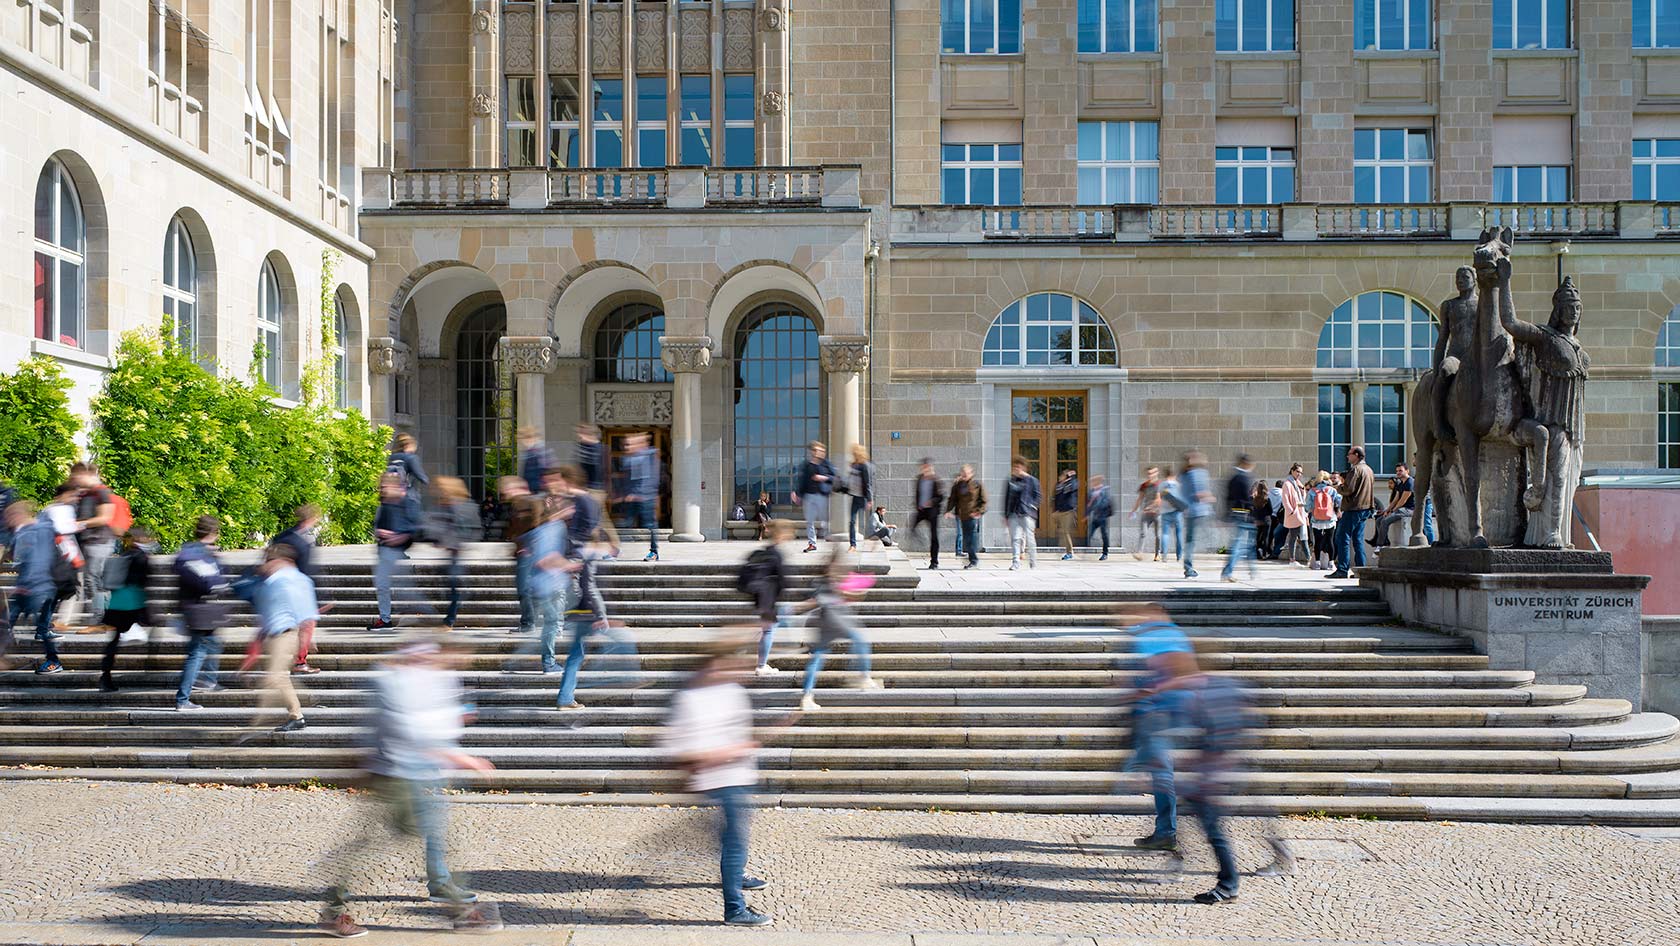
[1239, 508]
[1358, 491]
[641, 470]
[709, 736]
[835, 621]
[33, 547]
[587, 614]
[393, 531]
[202, 583]
[1154, 716]
[1197, 490]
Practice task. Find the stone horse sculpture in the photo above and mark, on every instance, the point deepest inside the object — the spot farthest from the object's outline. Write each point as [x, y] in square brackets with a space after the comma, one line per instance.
[1470, 411]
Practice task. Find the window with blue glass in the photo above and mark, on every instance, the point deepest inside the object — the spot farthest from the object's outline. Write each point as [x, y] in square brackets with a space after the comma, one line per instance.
[980, 26]
[984, 175]
[1050, 329]
[1392, 24]
[1253, 175]
[1391, 165]
[739, 144]
[1378, 329]
[1117, 26]
[1119, 162]
[1530, 183]
[627, 345]
[1384, 410]
[1656, 169]
[1334, 421]
[562, 122]
[695, 120]
[1531, 24]
[650, 121]
[609, 123]
[778, 401]
[1668, 393]
[1656, 24]
[1254, 26]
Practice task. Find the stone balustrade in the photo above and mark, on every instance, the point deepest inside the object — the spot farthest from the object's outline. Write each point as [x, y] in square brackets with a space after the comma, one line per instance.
[605, 189]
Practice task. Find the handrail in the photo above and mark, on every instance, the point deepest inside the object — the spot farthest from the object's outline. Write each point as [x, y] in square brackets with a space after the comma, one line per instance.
[1382, 220]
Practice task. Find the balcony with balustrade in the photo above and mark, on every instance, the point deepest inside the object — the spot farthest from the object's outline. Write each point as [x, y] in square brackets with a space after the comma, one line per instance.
[601, 190]
[1281, 223]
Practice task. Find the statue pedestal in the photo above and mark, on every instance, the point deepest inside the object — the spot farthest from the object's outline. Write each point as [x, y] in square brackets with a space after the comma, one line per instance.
[1566, 615]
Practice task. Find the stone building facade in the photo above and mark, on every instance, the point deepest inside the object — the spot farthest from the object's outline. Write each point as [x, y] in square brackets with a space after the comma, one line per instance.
[1096, 232]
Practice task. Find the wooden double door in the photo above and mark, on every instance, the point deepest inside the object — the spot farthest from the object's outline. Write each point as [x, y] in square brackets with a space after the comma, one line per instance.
[1050, 432]
[617, 440]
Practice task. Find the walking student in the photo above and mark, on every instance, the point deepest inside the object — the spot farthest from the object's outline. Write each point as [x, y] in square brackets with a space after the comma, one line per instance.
[816, 482]
[860, 485]
[930, 501]
[1239, 506]
[763, 577]
[1172, 506]
[967, 504]
[1099, 508]
[709, 736]
[284, 598]
[641, 471]
[404, 464]
[591, 458]
[302, 537]
[126, 573]
[524, 514]
[203, 611]
[1021, 497]
[1155, 716]
[34, 552]
[457, 525]
[1146, 509]
[1358, 492]
[393, 532]
[830, 604]
[1196, 488]
[418, 721]
[588, 614]
[95, 514]
[1065, 502]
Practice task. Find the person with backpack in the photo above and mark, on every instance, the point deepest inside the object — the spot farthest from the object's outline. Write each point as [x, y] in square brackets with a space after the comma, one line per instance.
[967, 504]
[587, 615]
[457, 525]
[404, 464]
[763, 577]
[831, 612]
[97, 526]
[126, 574]
[1324, 505]
[302, 537]
[1099, 508]
[34, 555]
[1197, 491]
[591, 458]
[525, 513]
[68, 566]
[203, 611]
[394, 531]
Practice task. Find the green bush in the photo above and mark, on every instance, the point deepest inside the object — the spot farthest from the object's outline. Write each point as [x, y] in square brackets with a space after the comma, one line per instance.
[37, 430]
[178, 442]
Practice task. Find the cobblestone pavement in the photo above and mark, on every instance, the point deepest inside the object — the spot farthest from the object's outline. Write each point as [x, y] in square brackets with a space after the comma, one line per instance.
[136, 856]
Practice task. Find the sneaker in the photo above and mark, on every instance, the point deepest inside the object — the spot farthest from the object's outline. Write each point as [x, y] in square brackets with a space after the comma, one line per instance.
[808, 703]
[450, 893]
[51, 666]
[651, 557]
[1192, 573]
[477, 920]
[341, 926]
[1014, 566]
[294, 724]
[95, 629]
[1214, 896]
[968, 565]
[1338, 573]
[187, 706]
[573, 705]
[868, 683]
[107, 685]
[1278, 868]
[1230, 578]
[851, 548]
[1067, 556]
[1157, 842]
[810, 546]
[747, 917]
[208, 687]
[1103, 557]
[381, 625]
[552, 667]
[763, 669]
[49, 636]
[933, 566]
[753, 883]
[304, 670]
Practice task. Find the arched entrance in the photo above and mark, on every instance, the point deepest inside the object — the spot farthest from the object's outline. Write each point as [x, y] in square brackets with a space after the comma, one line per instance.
[485, 447]
[778, 401]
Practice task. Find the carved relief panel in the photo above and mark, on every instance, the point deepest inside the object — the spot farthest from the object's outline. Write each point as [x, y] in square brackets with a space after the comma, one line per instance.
[562, 38]
[518, 50]
[695, 53]
[606, 37]
[738, 39]
[650, 37]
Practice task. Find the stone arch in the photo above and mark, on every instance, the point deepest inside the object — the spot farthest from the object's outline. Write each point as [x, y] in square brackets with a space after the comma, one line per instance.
[580, 299]
[90, 197]
[754, 279]
[1096, 348]
[405, 289]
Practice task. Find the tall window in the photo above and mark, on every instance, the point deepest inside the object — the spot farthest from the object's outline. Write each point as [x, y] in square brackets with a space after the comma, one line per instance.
[484, 401]
[1656, 169]
[337, 124]
[1119, 162]
[608, 124]
[1254, 26]
[1668, 393]
[1117, 26]
[627, 345]
[562, 122]
[340, 352]
[1384, 414]
[1391, 165]
[1334, 422]
[1392, 24]
[270, 307]
[987, 175]
[980, 26]
[650, 121]
[177, 67]
[268, 61]
[739, 141]
[1254, 175]
[60, 259]
[1051, 329]
[520, 103]
[778, 401]
[180, 286]
[1656, 24]
[1531, 24]
[1530, 183]
[696, 120]
[1379, 334]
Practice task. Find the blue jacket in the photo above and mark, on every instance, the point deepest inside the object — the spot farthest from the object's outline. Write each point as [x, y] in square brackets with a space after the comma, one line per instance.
[1194, 483]
[32, 552]
[641, 470]
[1021, 496]
[808, 482]
[533, 463]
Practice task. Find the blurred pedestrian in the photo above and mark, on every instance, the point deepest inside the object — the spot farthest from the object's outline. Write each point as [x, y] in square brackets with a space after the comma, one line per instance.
[34, 552]
[96, 508]
[763, 577]
[404, 464]
[1021, 497]
[552, 586]
[1099, 508]
[127, 572]
[816, 482]
[860, 486]
[284, 598]
[456, 524]
[1146, 510]
[535, 458]
[1155, 716]
[832, 593]
[1197, 489]
[967, 504]
[525, 512]
[641, 469]
[394, 529]
[418, 720]
[1172, 506]
[203, 610]
[591, 458]
[303, 537]
[929, 496]
[1066, 503]
[1239, 506]
[587, 615]
[709, 735]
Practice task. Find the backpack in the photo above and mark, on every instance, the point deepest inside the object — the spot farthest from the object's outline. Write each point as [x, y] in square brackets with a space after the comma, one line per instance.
[1323, 505]
[1169, 492]
[396, 467]
[754, 571]
[122, 518]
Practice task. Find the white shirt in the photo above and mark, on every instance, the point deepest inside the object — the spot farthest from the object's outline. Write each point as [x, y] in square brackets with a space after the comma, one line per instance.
[713, 717]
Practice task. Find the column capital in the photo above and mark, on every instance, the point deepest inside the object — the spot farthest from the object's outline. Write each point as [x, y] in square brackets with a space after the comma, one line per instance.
[686, 354]
[388, 355]
[528, 354]
[843, 353]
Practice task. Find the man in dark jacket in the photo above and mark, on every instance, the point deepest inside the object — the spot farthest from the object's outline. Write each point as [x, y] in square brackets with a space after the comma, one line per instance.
[929, 498]
[1359, 488]
[1099, 508]
[1066, 505]
[591, 458]
[393, 531]
[641, 471]
[967, 505]
[816, 482]
[301, 538]
[535, 458]
[1020, 511]
[33, 550]
[202, 584]
[1239, 497]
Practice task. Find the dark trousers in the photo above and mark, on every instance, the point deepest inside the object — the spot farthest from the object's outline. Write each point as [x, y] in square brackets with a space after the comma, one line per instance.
[930, 516]
[454, 589]
[970, 531]
[641, 517]
[1099, 525]
[121, 621]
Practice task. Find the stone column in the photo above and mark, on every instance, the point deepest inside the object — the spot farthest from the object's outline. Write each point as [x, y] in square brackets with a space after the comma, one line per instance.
[530, 358]
[388, 358]
[687, 358]
[772, 81]
[485, 71]
[844, 359]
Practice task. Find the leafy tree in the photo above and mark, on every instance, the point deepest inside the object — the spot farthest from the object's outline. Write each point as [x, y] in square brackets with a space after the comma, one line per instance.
[37, 429]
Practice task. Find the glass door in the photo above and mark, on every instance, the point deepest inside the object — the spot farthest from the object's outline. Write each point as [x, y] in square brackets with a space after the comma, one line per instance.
[1050, 434]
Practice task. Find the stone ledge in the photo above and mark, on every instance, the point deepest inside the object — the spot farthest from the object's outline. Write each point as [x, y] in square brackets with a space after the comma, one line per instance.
[1550, 581]
[1495, 561]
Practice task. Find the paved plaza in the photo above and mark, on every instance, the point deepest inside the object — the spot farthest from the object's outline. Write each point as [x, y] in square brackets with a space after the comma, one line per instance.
[97, 863]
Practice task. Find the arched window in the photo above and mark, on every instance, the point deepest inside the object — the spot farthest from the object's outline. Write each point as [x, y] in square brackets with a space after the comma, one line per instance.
[627, 345]
[1383, 335]
[269, 309]
[180, 286]
[1049, 329]
[60, 259]
[340, 353]
[484, 407]
[778, 400]
[1668, 392]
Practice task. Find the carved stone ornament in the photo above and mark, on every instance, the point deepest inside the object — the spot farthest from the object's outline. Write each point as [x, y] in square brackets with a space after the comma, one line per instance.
[843, 354]
[519, 41]
[631, 406]
[483, 22]
[532, 354]
[690, 355]
[773, 19]
[388, 356]
[772, 102]
[482, 104]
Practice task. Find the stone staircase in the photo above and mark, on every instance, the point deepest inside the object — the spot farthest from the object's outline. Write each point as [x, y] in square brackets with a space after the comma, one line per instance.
[994, 701]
